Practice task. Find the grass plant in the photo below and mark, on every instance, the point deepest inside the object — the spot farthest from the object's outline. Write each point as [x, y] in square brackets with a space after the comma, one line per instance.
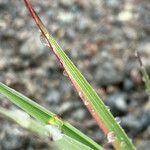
[104, 119]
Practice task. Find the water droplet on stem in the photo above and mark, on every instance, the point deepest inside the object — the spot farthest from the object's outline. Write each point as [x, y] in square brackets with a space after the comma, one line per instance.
[118, 120]
[44, 40]
[93, 111]
[65, 73]
[80, 94]
[86, 103]
[108, 108]
[53, 132]
[123, 145]
[111, 137]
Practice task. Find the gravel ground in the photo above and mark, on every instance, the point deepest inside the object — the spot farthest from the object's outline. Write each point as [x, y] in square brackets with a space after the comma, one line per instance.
[101, 37]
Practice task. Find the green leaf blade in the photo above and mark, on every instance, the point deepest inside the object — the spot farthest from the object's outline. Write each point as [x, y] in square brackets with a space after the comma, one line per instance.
[102, 115]
[45, 116]
[26, 104]
[64, 142]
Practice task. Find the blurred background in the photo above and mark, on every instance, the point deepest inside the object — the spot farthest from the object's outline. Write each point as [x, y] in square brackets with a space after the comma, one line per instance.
[101, 37]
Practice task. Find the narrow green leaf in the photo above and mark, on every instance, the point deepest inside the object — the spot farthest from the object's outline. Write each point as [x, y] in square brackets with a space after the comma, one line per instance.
[146, 78]
[26, 104]
[92, 101]
[24, 120]
[68, 143]
[45, 116]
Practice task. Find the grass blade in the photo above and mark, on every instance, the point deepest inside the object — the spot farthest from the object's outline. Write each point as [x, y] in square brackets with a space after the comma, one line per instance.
[24, 120]
[45, 116]
[93, 102]
[146, 78]
[66, 142]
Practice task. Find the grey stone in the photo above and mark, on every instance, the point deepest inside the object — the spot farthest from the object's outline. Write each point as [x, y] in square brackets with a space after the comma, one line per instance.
[107, 73]
[12, 138]
[117, 103]
[79, 114]
[53, 96]
[33, 47]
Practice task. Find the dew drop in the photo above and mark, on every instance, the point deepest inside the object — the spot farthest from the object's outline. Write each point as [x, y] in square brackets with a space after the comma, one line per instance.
[86, 103]
[65, 73]
[122, 138]
[131, 140]
[108, 108]
[80, 94]
[22, 117]
[54, 132]
[111, 137]
[123, 145]
[44, 40]
[54, 47]
[93, 111]
[60, 65]
[118, 120]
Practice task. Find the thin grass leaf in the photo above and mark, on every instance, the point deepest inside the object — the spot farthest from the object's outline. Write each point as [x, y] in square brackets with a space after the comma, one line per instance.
[146, 78]
[68, 143]
[92, 101]
[45, 116]
[24, 120]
